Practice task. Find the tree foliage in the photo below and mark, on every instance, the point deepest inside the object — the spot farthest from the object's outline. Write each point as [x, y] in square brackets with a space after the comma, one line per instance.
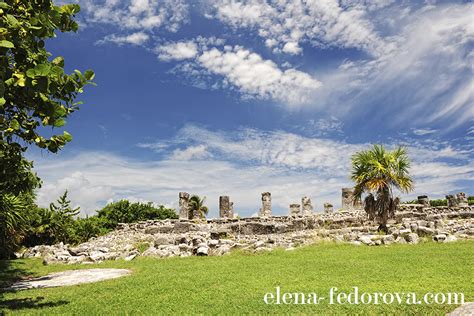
[126, 212]
[197, 209]
[34, 89]
[377, 172]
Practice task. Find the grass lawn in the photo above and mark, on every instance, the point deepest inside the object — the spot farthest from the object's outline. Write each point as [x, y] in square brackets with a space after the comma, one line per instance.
[237, 283]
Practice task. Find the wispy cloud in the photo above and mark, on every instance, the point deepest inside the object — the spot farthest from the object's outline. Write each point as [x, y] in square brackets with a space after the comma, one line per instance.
[241, 164]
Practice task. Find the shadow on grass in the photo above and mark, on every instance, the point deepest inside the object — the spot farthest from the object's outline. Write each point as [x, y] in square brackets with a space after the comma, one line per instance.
[11, 271]
[29, 302]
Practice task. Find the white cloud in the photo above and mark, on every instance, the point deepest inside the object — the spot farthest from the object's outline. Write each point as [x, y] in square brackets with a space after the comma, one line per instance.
[138, 38]
[423, 131]
[144, 15]
[190, 153]
[246, 71]
[240, 164]
[425, 78]
[177, 51]
[284, 25]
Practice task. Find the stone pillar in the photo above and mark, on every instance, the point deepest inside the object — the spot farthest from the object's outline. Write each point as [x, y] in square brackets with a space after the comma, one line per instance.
[225, 207]
[295, 210]
[462, 199]
[348, 202]
[266, 209]
[183, 205]
[328, 208]
[452, 201]
[307, 207]
[423, 199]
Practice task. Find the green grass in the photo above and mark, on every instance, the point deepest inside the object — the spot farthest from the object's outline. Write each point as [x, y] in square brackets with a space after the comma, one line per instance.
[236, 284]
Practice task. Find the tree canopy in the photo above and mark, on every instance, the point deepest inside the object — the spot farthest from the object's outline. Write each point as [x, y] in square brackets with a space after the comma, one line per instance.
[378, 172]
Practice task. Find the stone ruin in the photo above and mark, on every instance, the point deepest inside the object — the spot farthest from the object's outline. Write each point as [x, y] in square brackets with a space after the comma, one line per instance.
[307, 206]
[424, 200]
[349, 202]
[328, 208]
[266, 210]
[458, 200]
[185, 237]
[226, 207]
[295, 210]
[183, 205]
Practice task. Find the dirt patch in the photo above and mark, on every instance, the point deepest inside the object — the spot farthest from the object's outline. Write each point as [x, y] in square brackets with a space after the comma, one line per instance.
[71, 277]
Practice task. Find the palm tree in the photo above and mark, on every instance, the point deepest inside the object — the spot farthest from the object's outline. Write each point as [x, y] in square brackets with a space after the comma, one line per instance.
[377, 172]
[197, 209]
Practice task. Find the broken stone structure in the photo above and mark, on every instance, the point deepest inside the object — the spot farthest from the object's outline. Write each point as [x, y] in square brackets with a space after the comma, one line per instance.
[226, 209]
[295, 210]
[328, 208]
[348, 202]
[457, 200]
[462, 199]
[423, 199]
[183, 205]
[266, 209]
[307, 207]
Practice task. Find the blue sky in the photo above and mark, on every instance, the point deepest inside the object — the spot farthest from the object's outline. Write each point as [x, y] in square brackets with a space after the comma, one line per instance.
[238, 98]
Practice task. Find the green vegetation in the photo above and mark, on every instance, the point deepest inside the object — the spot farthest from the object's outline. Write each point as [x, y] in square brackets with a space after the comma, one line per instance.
[441, 202]
[378, 172]
[197, 209]
[236, 284]
[35, 93]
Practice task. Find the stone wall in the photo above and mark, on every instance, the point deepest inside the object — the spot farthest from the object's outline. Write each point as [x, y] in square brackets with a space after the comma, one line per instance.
[412, 223]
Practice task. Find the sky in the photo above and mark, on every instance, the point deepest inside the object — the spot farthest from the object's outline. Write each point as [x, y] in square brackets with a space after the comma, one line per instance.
[236, 98]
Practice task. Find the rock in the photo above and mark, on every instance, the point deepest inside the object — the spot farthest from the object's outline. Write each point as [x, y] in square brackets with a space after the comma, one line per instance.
[365, 239]
[425, 231]
[439, 238]
[412, 238]
[213, 243]
[400, 240]
[202, 251]
[130, 257]
[451, 238]
[388, 239]
[405, 232]
[259, 244]
[162, 240]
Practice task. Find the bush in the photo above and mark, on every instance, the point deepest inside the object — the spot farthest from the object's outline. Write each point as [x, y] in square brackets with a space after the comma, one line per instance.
[126, 212]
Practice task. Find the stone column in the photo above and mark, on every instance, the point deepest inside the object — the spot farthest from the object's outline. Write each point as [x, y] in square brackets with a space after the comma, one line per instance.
[423, 199]
[225, 207]
[348, 202]
[328, 208]
[462, 199]
[295, 210]
[452, 201]
[266, 209]
[307, 207]
[183, 205]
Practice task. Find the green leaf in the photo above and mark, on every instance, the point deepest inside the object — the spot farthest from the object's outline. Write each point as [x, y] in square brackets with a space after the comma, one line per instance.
[2, 89]
[42, 69]
[58, 61]
[59, 123]
[4, 5]
[15, 125]
[2, 101]
[6, 44]
[67, 137]
[89, 74]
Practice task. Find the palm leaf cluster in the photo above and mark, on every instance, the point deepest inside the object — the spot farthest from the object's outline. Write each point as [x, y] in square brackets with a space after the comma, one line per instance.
[377, 172]
[197, 209]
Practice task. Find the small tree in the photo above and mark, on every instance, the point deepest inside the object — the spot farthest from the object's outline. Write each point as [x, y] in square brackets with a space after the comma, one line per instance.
[377, 172]
[197, 209]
